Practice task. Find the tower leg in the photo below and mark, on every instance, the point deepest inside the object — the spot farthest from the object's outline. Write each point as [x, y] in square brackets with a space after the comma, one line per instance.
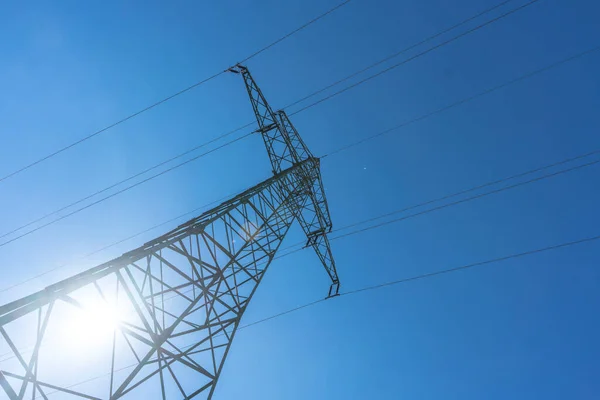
[180, 300]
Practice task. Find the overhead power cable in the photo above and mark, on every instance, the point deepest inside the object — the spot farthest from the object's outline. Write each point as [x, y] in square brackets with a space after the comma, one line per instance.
[336, 151]
[400, 52]
[116, 243]
[299, 246]
[281, 39]
[478, 196]
[382, 285]
[484, 185]
[358, 231]
[521, 78]
[121, 191]
[226, 134]
[466, 191]
[55, 212]
[431, 275]
[467, 99]
[170, 97]
[422, 53]
[443, 206]
[137, 175]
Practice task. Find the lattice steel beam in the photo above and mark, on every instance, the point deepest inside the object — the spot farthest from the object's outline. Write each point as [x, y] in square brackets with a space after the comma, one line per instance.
[173, 305]
[286, 148]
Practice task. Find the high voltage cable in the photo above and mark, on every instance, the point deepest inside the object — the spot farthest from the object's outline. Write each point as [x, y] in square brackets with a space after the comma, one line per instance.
[481, 195]
[522, 77]
[428, 275]
[109, 246]
[429, 50]
[564, 171]
[537, 179]
[122, 190]
[472, 189]
[442, 271]
[358, 231]
[246, 125]
[341, 149]
[294, 31]
[57, 211]
[469, 190]
[432, 274]
[467, 99]
[394, 283]
[46, 272]
[441, 207]
[166, 99]
[418, 277]
[400, 52]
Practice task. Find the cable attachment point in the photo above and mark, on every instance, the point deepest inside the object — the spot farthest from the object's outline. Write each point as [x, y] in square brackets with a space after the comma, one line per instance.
[334, 290]
[237, 69]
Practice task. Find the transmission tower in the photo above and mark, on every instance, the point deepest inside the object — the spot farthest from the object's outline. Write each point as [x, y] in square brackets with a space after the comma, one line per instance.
[173, 305]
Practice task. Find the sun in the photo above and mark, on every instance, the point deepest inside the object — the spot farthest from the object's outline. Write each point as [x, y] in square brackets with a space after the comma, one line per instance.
[94, 323]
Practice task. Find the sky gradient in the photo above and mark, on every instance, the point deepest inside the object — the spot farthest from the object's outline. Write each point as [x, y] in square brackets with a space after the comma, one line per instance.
[521, 329]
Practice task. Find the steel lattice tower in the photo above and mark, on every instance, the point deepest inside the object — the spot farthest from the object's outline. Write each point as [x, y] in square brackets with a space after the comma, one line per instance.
[180, 296]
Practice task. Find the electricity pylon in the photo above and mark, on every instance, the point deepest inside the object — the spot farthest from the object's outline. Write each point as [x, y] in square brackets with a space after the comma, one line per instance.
[173, 305]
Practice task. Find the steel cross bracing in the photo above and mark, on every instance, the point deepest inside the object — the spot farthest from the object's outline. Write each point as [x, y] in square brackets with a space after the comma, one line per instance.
[173, 305]
[286, 148]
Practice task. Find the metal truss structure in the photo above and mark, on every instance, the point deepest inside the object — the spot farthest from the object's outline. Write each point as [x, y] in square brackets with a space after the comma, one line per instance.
[171, 307]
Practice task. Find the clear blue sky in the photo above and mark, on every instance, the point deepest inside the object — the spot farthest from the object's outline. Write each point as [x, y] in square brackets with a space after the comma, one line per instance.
[522, 329]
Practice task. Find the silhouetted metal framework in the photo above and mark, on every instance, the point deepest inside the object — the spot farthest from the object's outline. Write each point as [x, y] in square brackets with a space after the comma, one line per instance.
[180, 297]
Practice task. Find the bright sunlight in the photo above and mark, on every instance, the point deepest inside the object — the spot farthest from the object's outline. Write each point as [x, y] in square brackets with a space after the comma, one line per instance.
[92, 324]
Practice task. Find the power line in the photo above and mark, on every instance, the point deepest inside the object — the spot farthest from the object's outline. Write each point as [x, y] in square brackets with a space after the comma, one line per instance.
[379, 134]
[467, 99]
[478, 196]
[400, 52]
[341, 149]
[166, 99]
[424, 52]
[55, 212]
[114, 185]
[244, 126]
[428, 211]
[432, 274]
[401, 281]
[469, 190]
[251, 123]
[529, 172]
[358, 231]
[59, 210]
[121, 191]
[119, 122]
[473, 265]
[484, 185]
[46, 272]
[294, 31]
[487, 91]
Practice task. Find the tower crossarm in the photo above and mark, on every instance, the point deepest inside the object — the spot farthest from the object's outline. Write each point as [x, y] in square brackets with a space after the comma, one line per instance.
[286, 148]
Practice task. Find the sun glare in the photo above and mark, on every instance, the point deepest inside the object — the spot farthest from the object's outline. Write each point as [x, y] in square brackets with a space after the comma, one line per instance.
[92, 324]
